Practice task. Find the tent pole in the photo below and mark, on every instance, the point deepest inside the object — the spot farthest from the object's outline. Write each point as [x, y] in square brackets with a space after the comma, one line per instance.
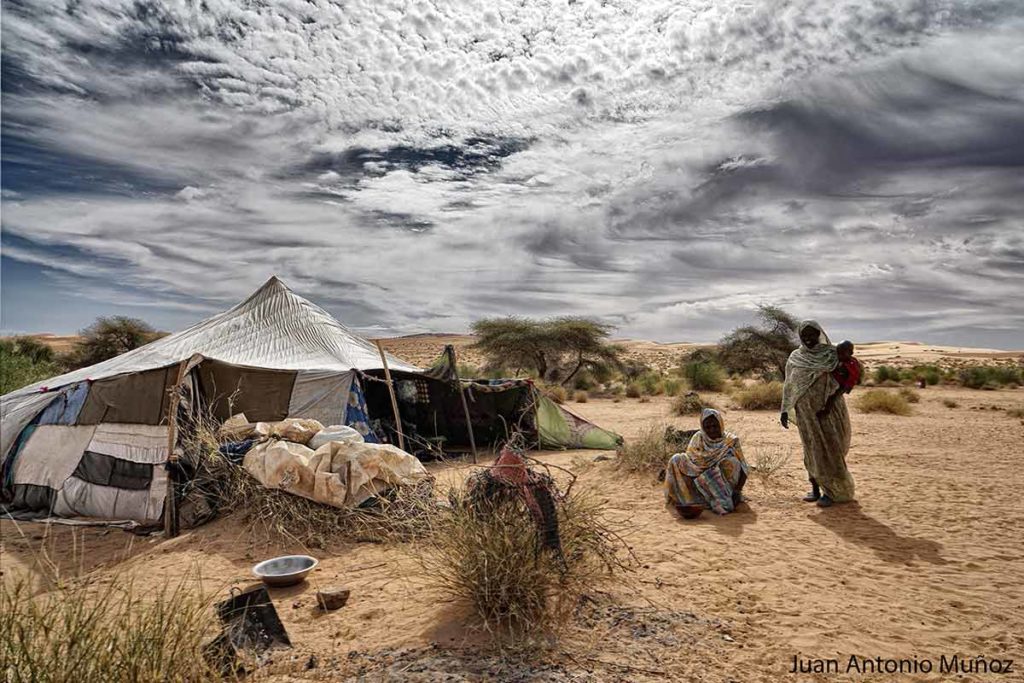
[170, 503]
[391, 392]
[450, 350]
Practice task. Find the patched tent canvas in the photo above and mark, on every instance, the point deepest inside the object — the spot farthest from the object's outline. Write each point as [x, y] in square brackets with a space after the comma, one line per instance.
[94, 442]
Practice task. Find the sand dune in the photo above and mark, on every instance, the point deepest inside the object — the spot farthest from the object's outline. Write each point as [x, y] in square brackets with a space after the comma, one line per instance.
[927, 562]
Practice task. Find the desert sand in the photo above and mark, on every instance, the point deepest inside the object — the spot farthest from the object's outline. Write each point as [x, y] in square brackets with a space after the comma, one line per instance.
[927, 562]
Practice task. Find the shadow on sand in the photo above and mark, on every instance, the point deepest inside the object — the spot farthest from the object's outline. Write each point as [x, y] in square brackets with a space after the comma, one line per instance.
[849, 522]
[730, 525]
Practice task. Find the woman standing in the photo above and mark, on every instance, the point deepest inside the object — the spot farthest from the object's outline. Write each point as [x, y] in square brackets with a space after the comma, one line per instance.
[824, 426]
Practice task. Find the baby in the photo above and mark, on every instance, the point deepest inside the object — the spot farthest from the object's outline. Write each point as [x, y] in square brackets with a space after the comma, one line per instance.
[848, 371]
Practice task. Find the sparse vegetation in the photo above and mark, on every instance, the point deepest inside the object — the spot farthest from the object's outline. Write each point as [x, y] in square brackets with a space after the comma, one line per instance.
[761, 349]
[581, 397]
[910, 395]
[761, 396]
[690, 403]
[768, 461]
[703, 375]
[557, 393]
[110, 337]
[491, 558]
[881, 401]
[633, 390]
[85, 631]
[949, 403]
[648, 452]
[24, 361]
[1016, 412]
[990, 376]
[555, 350]
[672, 387]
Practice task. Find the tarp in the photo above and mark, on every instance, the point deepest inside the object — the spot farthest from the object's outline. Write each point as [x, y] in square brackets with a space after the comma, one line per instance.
[274, 329]
[321, 475]
[559, 427]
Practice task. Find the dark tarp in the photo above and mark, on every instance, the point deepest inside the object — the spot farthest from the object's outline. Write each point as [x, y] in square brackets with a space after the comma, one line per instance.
[135, 398]
[263, 395]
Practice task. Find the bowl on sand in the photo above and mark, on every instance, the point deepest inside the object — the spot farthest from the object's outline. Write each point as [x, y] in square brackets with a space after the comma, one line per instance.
[286, 570]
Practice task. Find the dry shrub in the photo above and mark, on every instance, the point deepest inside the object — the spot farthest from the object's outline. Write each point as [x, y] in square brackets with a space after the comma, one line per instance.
[273, 514]
[557, 393]
[762, 396]
[911, 395]
[633, 390]
[491, 559]
[768, 461]
[690, 403]
[879, 401]
[672, 387]
[86, 631]
[581, 396]
[1016, 412]
[648, 452]
[949, 403]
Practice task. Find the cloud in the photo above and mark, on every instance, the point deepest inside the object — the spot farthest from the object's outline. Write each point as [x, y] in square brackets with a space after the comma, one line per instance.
[665, 166]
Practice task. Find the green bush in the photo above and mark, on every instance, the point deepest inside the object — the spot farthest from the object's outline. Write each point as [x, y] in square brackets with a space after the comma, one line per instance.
[21, 365]
[990, 376]
[886, 373]
[650, 384]
[672, 387]
[931, 374]
[704, 375]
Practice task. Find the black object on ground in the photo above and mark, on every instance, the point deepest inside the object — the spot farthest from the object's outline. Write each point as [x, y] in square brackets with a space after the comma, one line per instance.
[251, 626]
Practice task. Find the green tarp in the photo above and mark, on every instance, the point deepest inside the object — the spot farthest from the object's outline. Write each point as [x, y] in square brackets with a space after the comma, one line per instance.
[558, 427]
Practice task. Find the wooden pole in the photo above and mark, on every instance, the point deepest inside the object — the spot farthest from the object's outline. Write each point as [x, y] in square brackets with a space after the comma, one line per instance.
[450, 350]
[391, 391]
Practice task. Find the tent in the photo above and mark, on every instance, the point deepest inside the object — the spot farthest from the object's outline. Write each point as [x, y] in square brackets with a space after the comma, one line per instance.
[95, 442]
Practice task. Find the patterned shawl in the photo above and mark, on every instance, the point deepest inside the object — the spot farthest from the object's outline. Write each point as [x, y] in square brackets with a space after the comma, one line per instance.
[806, 365]
[704, 452]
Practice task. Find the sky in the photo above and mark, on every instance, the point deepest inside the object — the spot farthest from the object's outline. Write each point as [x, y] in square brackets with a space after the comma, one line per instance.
[411, 167]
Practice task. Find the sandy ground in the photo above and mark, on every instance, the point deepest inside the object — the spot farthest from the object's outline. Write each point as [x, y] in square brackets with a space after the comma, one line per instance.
[927, 562]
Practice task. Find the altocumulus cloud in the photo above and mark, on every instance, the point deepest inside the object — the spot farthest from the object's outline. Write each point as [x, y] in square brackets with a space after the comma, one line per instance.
[666, 166]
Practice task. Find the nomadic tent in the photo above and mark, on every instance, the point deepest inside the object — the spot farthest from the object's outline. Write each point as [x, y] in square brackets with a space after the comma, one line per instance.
[95, 442]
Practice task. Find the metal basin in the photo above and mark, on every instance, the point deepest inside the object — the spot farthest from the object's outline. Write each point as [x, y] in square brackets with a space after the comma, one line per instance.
[286, 570]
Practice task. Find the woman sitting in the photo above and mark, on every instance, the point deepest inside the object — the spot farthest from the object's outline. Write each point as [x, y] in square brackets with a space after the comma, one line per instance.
[710, 474]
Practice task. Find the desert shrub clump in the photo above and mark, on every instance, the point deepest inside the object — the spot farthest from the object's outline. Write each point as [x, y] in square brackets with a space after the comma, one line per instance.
[762, 396]
[990, 376]
[490, 557]
[881, 401]
[633, 390]
[24, 361]
[703, 375]
[910, 395]
[886, 373]
[690, 403]
[672, 387]
[949, 403]
[557, 393]
[581, 396]
[82, 631]
[647, 452]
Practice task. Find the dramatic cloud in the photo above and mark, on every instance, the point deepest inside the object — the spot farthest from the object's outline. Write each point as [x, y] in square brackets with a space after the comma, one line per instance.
[664, 166]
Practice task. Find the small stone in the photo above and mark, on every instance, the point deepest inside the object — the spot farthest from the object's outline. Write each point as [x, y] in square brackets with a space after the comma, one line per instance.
[333, 597]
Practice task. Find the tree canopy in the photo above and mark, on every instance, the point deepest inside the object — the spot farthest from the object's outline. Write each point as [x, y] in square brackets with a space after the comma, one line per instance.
[109, 337]
[555, 349]
[763, 348]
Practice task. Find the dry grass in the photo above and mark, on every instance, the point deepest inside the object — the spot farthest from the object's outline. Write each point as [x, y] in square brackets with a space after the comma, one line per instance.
[633, 390]
[273, 514]
[1016, 412]
[768, 461]
[491, 559]
[761, 396]
[648, 452]
[87, 631]
[949, 403]
[581, 396]
[690, 403]
[556, 392]
[910, 395]
[880, 401]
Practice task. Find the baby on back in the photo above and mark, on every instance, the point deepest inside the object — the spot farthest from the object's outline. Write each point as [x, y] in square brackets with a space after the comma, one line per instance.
[848, 371]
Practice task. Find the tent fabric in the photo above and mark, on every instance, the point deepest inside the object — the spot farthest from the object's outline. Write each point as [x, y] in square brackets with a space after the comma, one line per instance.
[321, 396]
[65, 408]
[82, 498]
[263, 395]
[51, 454]
[16, 412]
[273, 329]
[558, 427]
[146, 444]
[137, 398]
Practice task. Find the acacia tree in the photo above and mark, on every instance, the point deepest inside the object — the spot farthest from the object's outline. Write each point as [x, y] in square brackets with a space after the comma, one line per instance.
[763, 348]
[109, 337]
[555, 349]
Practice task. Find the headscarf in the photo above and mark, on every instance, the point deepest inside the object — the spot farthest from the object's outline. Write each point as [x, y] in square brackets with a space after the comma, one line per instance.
[805, 365]
[703, 451]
